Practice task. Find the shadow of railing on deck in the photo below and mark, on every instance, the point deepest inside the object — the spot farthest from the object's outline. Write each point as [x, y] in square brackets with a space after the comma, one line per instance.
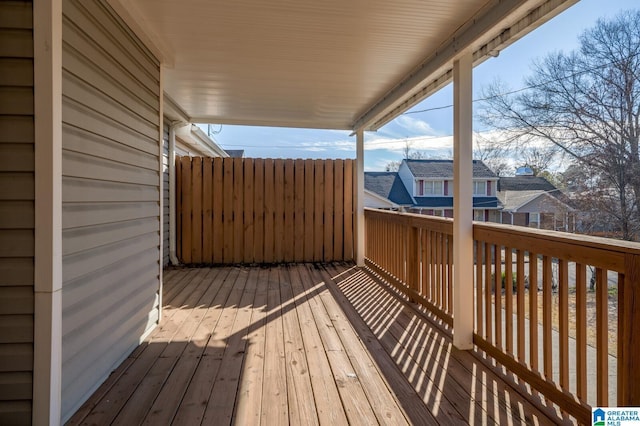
[200, 364]
[452, 383]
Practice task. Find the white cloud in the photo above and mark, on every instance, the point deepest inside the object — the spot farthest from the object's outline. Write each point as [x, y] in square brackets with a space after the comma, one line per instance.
[418, 143]
[414, 125]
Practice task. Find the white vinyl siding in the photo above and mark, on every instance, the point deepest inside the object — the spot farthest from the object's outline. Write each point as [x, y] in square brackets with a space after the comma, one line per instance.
[110, 195]
[17, 166]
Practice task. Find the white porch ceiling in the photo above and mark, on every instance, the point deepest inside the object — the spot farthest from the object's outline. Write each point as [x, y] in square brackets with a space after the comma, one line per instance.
[340, 64]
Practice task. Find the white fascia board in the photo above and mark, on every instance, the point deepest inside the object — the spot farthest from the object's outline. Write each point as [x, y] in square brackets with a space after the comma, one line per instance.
[193, 137]
[173, 111]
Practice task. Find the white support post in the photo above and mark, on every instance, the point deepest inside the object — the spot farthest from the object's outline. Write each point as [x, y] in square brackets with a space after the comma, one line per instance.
[360, 197]
[47, 362]
[463, 203]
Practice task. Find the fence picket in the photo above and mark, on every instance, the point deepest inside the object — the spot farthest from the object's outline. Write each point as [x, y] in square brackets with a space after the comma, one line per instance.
[309, 191]
[258, 206]
[186, 209]
[227, 229]
[196, 210]
[248, 210]
[299, 199]
[217, 197]
[207, 210]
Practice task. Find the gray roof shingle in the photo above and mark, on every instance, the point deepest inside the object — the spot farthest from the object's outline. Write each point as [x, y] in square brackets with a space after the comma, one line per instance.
[525, 183]
[444, 169]
[389, 186]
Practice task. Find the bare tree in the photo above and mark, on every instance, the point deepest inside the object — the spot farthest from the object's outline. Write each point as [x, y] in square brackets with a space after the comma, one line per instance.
[408, 154]
[494, 153]
[392, 166]
[539, 158]
[587, 103]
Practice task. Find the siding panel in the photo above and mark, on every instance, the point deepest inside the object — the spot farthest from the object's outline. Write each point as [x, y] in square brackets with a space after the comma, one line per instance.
[17, 129]
[165, 192]
[16, 43]
[16, 211]
[17, 186]
[15, 386]
[16, 72]
[110, 195]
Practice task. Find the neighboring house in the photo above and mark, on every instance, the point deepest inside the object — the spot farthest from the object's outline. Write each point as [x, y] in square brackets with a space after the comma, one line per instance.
[534, 202]
[385, 190]
[430, 183]
[426, 187]
[235, 153]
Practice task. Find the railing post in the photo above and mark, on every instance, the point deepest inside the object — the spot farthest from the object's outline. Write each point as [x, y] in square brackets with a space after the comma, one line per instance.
[462, 203]
[629, 334]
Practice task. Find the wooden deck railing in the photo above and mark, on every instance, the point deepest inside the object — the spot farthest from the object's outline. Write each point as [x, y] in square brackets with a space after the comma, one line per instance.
[415, 253]
[559, 310]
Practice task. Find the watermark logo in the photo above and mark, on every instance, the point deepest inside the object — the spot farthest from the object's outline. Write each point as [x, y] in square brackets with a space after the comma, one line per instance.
[615, 416]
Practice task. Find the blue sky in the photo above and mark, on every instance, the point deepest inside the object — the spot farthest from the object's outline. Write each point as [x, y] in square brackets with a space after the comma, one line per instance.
[430, 131]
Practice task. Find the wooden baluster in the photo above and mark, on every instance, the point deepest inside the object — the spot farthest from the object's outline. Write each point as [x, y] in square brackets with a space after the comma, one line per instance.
[424, 235]
[547, 330]
[487, 293]
[581, 332]
[439, 270]
[450, 274]
[413, 271]
[602, 338]
[497, 285]
[533, 311]
[563, 325]
[479, 299]
[508, 309]
[520, 305]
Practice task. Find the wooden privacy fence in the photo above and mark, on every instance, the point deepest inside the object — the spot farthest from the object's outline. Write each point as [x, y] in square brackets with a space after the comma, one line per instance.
[253, 210]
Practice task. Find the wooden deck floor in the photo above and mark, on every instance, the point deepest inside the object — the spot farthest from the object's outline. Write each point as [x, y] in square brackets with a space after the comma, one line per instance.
[303, 344]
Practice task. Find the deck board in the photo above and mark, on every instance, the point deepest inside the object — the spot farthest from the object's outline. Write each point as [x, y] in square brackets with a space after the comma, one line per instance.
[298, 344]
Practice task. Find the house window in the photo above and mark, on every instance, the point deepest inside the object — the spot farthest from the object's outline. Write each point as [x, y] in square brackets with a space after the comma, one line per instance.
[480, 188]
[534, 220]
[478, 215]
[430, 187]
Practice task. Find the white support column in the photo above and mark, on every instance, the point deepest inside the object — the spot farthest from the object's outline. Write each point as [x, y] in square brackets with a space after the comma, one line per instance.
[47, 363]
[463, 203]
[360, 197]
